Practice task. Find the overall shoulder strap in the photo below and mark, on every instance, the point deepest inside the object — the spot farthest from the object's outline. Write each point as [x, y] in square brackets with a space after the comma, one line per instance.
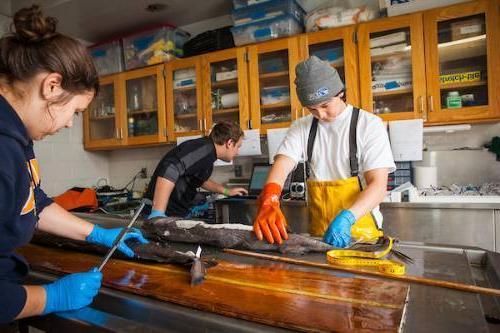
[310, 143]
[353, 147]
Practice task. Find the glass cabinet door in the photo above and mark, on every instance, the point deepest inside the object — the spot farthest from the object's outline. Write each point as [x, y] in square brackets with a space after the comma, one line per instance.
[144, 103]
[337, 47]
[142, 106]
[272, 73]
[461, 58]
[392, 67]
[225, 88]
[184, 97]
[463, 69]
[102, 117]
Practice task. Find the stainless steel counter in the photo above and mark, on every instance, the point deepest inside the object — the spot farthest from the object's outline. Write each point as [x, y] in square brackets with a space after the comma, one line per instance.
[429, 309]
[435, 223]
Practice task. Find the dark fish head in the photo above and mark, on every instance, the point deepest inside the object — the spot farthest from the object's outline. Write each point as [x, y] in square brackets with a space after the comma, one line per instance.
[198, 272]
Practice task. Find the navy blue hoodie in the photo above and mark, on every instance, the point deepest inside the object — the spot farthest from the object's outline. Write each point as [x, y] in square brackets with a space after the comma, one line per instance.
[21, 200]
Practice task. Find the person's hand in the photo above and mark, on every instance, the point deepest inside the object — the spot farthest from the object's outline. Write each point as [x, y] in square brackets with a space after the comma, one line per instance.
[338, 233]
[270, 222]
[237, 191]
[198, 210]
[106, 237]
[72, 292]
[156, 213]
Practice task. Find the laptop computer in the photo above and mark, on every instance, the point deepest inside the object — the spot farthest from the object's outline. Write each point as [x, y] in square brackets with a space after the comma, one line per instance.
[260, 171]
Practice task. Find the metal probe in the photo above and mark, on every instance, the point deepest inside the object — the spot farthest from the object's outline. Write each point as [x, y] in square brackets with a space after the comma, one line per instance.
[122, 233]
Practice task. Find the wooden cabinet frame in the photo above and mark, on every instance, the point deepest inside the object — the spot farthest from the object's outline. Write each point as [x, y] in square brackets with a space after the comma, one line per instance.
[431, 20]
[242, 80]
[161, 136]
[414, 23]
[170, 67]
[117, 139]
[291, 46]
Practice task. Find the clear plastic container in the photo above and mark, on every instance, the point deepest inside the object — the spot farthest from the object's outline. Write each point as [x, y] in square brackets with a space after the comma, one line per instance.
[153, 46]
[267, 10]
[108, 57]
[275, 95]
[243, 3]
[281, 26]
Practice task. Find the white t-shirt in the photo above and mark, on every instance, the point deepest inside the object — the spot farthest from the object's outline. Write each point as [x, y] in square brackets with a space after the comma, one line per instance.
[330, 156]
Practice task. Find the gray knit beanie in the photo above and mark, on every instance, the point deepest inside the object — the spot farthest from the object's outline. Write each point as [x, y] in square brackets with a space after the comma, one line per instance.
[316, 81]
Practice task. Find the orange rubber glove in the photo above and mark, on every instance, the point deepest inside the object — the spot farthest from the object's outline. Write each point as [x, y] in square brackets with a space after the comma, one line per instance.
[270, 220]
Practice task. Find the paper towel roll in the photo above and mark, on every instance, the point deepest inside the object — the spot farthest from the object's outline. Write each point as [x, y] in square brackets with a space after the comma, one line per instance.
[229, 100]
[425, 176]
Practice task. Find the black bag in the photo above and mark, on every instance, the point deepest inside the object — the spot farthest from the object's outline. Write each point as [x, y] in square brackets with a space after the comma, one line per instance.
[208, 41]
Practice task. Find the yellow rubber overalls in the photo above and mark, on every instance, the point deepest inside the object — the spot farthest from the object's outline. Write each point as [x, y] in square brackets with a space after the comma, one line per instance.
[328, 198]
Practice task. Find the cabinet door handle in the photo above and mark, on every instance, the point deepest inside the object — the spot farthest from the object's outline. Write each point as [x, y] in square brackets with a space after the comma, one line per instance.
[423, 111]
[249, 124]
[302, 111]
[431, 103]
[204, 124]
[200, 124]
[117, 133]
[121, 133]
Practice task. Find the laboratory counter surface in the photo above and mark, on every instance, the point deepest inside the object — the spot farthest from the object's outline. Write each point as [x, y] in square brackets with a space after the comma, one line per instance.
[124, 303]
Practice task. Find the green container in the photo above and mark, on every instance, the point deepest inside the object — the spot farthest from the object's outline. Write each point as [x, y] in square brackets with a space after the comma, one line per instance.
[453, 101]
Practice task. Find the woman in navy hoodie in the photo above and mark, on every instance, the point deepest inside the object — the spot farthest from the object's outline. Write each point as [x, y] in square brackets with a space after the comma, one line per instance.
[45, 80]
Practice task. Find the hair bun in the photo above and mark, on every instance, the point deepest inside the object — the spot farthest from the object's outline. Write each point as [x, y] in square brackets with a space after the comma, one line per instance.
[32, 26]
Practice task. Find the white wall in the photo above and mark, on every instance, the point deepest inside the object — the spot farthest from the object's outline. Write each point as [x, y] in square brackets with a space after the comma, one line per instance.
[64, 163]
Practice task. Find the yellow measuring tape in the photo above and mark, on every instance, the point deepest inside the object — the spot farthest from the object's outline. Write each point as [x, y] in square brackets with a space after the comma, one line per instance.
[363, 258]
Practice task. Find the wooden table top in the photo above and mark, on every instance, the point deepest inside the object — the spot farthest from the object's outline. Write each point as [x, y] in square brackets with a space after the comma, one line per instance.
[270, 293]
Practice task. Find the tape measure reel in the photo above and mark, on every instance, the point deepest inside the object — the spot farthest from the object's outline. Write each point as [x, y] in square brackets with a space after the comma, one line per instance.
[370, 259]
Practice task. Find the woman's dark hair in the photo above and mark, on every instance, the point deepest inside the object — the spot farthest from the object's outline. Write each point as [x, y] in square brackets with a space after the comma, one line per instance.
[34, 46]
[224, 131]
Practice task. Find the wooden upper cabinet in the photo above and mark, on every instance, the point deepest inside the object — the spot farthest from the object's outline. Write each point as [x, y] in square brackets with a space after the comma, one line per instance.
[144, 106]
[102, 120]
[392, 67]
[273, 100]
[184, 98]
[338, 48]
[461, 46]
[225, 88]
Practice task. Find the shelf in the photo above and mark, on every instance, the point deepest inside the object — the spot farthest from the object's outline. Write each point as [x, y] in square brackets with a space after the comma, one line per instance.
[225, 111]
[393, 92]
[275, 106]
[103, 117]
[183, 89]
[466, 48]
[225, 83]
[145, 111]
[186, 116]
[462, 85]
[382, 57]
[273, 75]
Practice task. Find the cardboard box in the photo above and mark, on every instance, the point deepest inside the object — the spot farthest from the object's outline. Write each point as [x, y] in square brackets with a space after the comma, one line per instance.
[469, 28]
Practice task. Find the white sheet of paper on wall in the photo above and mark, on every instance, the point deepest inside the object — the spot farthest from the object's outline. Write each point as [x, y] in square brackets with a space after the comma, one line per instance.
[407, 137]
[274, 139]
[251, 143]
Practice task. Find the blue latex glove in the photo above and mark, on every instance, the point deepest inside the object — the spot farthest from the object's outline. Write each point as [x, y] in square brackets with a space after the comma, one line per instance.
[338, 233]
[156, 213]
[72, 292]
[106, 237]
[198, 211]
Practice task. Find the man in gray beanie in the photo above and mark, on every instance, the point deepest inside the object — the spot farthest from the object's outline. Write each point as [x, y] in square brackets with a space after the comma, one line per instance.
[344, 147]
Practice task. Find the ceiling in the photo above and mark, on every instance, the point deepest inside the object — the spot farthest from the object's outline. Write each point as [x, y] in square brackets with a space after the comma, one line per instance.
[97, 20]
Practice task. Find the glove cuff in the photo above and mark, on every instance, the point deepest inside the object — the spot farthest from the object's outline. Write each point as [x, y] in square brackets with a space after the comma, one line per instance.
[156, 213]
[349, 216]
[270, 194]
[49, 298]
[95, 235]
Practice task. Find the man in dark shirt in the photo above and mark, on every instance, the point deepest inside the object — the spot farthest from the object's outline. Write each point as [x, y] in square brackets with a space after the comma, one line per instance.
[189, 166]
